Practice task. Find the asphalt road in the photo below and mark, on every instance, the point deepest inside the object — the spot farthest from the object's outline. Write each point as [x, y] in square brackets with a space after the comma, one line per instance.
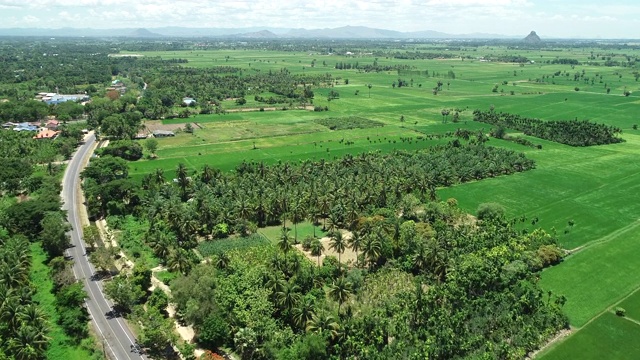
[113, 331]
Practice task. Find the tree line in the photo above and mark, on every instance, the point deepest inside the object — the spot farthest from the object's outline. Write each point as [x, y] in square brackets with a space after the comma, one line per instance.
[569, 132]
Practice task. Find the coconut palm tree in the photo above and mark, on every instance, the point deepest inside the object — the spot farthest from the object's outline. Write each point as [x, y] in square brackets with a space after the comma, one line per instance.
[274, 282]
[288, 296]
[303, 312]
[337, 243]
[182, 177]
[284, 243]
[372, 247]
[340, 291]
[158, 177]
[180, 260]
[316, 249]
[323, 322]
[160, 242]
[355, 243]
[298, 214]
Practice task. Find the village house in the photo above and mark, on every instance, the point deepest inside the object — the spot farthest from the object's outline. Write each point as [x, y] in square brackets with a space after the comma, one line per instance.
[163, 133]
[52, 124]
[45, 133]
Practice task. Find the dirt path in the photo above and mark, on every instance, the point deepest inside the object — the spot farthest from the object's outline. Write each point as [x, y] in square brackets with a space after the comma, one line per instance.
[560, 335]
[187, 333]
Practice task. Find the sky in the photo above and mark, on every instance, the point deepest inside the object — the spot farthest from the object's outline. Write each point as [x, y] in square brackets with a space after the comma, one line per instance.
[549, 18]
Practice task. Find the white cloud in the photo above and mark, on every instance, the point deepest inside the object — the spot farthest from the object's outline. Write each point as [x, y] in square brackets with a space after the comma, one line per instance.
[453, 16]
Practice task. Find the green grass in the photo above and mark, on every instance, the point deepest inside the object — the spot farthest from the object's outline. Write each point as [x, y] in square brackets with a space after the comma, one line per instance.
[213, 247]
[165, 276]
[632, 306]
[608, 337]
[60, 346]
[305, 229]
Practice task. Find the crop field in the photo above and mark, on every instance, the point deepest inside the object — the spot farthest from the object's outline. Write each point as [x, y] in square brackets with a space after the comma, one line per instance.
[589, 196]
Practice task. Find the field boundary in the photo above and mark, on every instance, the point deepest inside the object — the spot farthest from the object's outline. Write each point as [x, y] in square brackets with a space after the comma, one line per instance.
[576, 330]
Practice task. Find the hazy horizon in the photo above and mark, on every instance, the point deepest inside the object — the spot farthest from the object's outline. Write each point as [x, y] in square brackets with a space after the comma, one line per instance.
[568, 19]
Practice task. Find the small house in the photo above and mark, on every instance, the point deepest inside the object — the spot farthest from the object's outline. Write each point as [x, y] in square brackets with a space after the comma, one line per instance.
[25, 127]
[45, 133]
[52, 124]
[163, 133]
[188, 101]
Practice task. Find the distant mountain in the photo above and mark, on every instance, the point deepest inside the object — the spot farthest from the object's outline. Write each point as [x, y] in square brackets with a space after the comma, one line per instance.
[144, 33]
[264, 34]
[532, 38]
[344, 32]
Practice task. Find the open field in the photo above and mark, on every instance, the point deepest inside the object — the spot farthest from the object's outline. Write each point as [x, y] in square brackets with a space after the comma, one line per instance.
[608, 337]
[595, 188]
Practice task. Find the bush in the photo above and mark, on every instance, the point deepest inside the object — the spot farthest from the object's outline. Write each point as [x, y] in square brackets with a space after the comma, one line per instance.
[490, 211]
[349, 122]
[620, 311]
[214, 331]
[306, 243]
[549, 255]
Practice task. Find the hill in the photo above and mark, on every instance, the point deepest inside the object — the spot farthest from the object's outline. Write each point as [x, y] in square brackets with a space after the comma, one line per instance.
[532, 38]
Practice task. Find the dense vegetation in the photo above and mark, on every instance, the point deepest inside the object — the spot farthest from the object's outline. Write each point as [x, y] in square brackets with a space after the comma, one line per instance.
[425, 277]
[571, 132]
[263, 194]
[23, 325]
[352, 122]
[422, 245]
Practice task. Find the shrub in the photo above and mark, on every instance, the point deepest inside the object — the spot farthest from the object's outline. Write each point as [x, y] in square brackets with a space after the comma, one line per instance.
[620, 311]
[549, 255]
[490, 211]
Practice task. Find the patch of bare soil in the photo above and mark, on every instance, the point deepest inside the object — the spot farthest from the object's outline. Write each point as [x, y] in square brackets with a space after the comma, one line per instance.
[153, 125]
[347, 257]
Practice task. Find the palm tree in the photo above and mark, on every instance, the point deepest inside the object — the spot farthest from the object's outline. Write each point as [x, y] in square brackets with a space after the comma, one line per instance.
[29, 343]
[288, 296]
[340, 291]
[355, 243]
[32, 315]
[275, 282]
[180, 261]
[158, 177]
[313, 214]
[369, 86]
[303, 312]
[182, 177]
[297, 215]
[337, 243]
[317, 248]
[222, 261]
[284, 244]
[160, 242]
[371, 248]
[323, 322]
[420, 258]
[207, 174]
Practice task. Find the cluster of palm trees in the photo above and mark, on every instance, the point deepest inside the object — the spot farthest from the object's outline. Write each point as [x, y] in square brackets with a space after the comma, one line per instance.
[570, 132]
[23, 325]
[334, 193]
[168, 86]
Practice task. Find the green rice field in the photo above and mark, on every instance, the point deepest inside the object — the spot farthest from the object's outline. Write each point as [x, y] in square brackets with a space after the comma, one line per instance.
[597, 189]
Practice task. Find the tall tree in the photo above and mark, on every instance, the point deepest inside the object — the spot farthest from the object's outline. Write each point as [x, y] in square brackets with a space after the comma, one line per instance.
[340, 291]
[337, 243]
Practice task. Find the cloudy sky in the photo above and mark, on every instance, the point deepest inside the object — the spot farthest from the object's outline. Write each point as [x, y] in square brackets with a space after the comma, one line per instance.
[551, 18]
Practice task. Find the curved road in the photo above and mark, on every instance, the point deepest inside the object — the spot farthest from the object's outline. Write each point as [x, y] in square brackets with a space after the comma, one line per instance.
[114, 333]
